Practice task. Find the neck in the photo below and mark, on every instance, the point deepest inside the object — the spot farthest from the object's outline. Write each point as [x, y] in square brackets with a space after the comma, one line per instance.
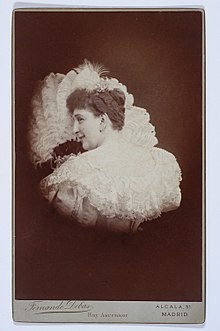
[110, 135]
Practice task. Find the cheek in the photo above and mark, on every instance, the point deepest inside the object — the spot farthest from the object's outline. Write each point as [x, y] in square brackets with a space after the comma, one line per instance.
[92, 138]
[94, 130]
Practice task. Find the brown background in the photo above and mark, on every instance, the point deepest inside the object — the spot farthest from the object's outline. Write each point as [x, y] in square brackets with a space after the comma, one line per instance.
[158, 56]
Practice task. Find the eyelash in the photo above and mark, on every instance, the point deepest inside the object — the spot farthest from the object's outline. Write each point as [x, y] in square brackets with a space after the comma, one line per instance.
[79, 119]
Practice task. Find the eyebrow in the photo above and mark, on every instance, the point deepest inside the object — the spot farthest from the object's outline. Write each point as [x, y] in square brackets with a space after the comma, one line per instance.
[78, 115]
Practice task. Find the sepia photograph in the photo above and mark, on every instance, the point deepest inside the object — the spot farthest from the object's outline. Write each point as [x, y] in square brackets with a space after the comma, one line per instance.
[109, 164]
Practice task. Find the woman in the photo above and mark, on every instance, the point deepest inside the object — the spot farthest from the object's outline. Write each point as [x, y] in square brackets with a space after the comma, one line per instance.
[121, 180]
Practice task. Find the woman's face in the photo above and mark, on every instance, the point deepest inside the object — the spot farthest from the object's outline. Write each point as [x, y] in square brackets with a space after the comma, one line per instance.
[87, 128]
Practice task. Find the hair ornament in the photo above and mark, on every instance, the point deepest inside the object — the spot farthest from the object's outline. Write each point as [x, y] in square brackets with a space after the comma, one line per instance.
[89, 76]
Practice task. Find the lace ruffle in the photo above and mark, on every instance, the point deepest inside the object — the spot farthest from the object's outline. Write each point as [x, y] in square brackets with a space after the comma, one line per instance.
[114, 190]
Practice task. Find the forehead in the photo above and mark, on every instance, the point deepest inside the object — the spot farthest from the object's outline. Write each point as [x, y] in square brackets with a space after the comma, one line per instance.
[87, 112]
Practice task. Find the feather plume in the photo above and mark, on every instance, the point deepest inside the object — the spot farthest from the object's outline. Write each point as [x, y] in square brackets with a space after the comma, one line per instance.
[51, 124]
[48, 127]
[99, 69]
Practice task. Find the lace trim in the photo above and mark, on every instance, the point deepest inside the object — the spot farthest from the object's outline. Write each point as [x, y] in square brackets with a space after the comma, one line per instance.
[142, 198]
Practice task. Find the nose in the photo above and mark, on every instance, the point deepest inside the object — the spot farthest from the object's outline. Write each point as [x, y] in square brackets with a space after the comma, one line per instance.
[75, 127]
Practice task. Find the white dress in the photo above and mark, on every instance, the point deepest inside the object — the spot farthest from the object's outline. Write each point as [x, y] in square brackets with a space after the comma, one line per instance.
[116, 186]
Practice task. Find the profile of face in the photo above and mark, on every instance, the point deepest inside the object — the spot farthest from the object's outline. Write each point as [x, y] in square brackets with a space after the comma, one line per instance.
[88, 128]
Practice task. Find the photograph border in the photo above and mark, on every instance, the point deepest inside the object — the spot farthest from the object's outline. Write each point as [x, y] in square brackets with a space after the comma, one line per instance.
[126, 311]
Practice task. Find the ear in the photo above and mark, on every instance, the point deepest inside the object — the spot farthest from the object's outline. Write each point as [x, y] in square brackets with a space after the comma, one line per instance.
[103, 121]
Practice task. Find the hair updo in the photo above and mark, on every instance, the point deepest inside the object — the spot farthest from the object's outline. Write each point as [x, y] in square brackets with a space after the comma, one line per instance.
[107, 102]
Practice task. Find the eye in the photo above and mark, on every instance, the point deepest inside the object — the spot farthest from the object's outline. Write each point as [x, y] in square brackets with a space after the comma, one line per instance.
[80, 119]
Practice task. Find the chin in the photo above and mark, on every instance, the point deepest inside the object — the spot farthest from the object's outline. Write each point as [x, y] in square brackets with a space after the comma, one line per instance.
[86, 147]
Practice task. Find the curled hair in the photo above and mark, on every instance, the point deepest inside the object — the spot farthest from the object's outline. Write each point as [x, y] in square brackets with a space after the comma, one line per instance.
[100, 102]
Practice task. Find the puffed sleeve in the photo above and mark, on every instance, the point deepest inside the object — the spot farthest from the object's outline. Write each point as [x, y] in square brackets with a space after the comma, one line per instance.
[65, 195]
